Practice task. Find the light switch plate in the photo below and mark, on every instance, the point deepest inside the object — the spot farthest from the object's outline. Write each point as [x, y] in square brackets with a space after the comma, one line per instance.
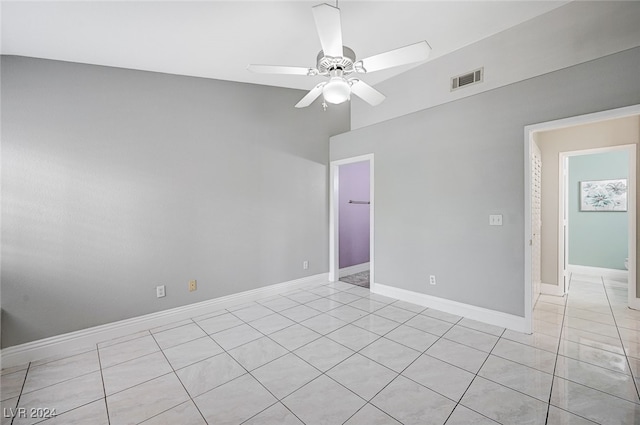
[495, 220]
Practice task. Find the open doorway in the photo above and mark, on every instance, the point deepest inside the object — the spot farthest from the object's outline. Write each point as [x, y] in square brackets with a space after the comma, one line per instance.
[593, 131]
[351, 221]
[596, 209]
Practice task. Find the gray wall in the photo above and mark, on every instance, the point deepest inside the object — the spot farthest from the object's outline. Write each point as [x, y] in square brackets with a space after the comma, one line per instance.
[574, 33]
[115, 181]
[440, 173]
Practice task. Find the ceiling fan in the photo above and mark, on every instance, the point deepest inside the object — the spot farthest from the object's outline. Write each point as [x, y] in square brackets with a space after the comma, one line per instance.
[338, 62]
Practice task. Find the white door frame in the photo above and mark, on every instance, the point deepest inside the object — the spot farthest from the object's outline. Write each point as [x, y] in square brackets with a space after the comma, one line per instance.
[528, 139]
[563, 256]
[334, 227]
[536, 285]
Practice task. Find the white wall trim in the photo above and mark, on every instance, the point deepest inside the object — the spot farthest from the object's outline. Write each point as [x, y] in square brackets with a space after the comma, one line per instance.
[563, 221]
[87, 338]
[497, 318]
[598, 271]
[627, 111]
[551, 289]
[357, 268]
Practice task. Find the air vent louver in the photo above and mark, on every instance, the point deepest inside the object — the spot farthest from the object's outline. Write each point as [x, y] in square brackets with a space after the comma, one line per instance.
[469, 78]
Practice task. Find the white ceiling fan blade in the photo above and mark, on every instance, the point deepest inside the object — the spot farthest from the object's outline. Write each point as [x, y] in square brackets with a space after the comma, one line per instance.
[329, 29]
[367, 93]
[311, 96]
[286, 70]
[413, 53]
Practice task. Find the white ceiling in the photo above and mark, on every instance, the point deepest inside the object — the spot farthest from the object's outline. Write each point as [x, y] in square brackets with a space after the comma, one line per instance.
[218, 39]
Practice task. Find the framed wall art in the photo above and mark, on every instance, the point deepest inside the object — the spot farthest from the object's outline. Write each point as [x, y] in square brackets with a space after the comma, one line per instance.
[603, 195]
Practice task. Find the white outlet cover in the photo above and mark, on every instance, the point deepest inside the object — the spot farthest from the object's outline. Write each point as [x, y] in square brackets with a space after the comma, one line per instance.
[160, 291]
[495, 220]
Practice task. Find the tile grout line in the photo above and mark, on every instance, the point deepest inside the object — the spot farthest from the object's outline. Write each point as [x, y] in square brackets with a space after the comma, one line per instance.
[352, 322]
[415, 314]
[398, 373]
[424, 352]
[278, 400]
[138, 384]
[475, 375]
[59, 382]
[100, 365]
[340, 362]
[104, 390]
[334, 330]
[26, 374]
[295, 322]
[624, 349]
[248, 373]
[81, 405]
[587, 386]
[268, 335]
[144, 333]
[601, 367]
[558, 354]
[179, 380]
[555, 364]
[63, 356]
[66, 380]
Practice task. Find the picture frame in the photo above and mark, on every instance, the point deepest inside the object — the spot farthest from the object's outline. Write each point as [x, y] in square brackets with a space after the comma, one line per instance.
[603, 195]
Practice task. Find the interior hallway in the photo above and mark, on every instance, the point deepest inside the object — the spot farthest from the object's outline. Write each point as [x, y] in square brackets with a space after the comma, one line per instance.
[597, 364]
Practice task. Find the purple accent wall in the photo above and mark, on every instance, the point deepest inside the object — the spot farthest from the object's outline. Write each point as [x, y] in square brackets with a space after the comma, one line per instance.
[354, 218]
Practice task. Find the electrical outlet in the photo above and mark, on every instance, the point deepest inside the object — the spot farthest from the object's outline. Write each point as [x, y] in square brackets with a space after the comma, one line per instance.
[160, 291]
[495, 220]
[432, 279]
[193, 285]
[305, 265]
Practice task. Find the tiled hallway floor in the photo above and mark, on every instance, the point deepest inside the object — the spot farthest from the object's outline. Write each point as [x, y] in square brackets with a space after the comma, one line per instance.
[336, 354]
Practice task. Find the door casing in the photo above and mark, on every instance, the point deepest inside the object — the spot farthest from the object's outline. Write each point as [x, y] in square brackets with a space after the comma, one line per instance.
[334, 227]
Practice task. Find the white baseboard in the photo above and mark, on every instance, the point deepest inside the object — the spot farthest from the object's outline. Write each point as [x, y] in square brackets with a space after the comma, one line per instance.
[358, 268]
[481, 314]
[634, 303]
[598, 271]
[88, 338]
[550, 289]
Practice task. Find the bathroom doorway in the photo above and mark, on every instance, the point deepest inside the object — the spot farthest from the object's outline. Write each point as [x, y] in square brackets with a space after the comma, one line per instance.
[351, 221]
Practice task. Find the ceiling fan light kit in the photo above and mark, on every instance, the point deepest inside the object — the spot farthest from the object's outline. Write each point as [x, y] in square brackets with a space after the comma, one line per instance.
[338, 89]
[337, 62]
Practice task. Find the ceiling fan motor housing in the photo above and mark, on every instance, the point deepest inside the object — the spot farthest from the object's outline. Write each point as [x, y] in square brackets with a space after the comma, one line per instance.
[344, 62]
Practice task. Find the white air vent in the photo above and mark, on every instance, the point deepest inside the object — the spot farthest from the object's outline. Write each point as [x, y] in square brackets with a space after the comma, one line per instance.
[467, 79]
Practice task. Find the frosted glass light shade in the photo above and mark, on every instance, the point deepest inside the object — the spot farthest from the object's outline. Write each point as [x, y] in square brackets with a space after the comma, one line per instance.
[336, 91]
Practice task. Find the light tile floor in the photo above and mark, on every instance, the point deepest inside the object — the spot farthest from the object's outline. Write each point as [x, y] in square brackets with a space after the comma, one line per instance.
[337, 354]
